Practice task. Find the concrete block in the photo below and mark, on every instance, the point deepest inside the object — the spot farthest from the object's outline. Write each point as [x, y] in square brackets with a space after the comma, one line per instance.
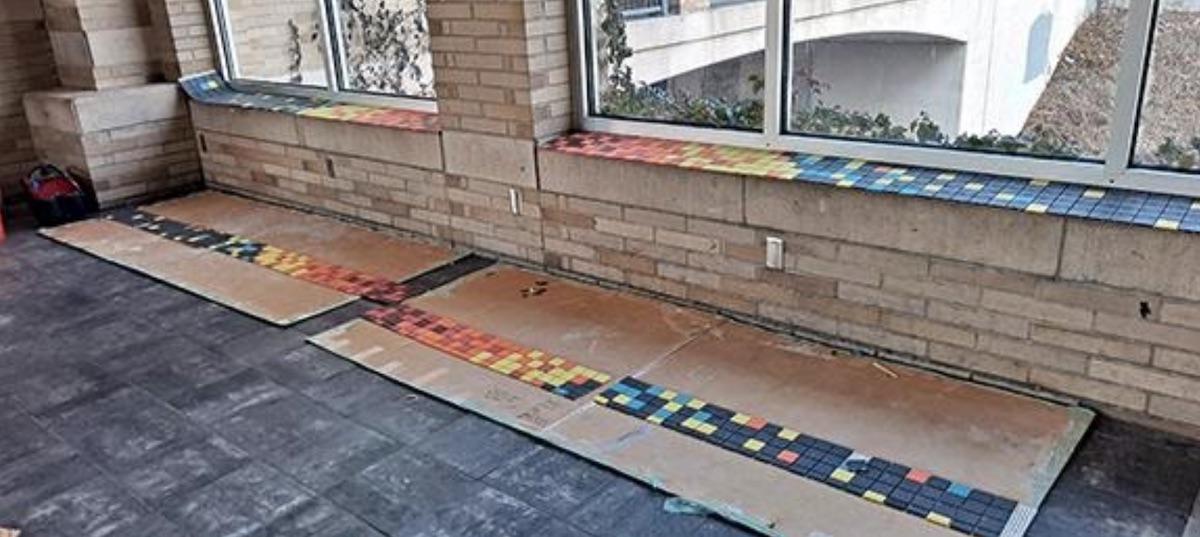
[1177, 361]
[1092, 343]
[1132, 257]
[993, 237]
[1033, 353]
[506, 160]
[1175, 409]
[1151, 380]
[412, 148]
[1035, 308]
[1086, 388]
[692, 193]
[973, 360]
[1150, 332]
[248, 123]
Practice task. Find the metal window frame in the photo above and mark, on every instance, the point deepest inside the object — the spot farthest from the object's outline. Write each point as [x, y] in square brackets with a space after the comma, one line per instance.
[334, 62]
[1116, 168]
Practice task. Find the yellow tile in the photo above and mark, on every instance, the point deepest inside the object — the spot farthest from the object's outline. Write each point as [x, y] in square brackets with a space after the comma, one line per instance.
[874, 496]
[740, 418]
[1038, 208]
[939, 519]
[1164, 223]
[602, 378]
[667, 394]
[695, 404]
[788, 434]
[973, 187]
[654, 419]
[1094, 193]
[601, 400]
[843, 475]
[673, 406]
[707, 428]
[753, 445]
[1039, 182]
[692, 423]
[622, 399]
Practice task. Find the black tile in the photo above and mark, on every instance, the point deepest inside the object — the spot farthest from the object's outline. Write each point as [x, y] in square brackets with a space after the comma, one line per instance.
[183, 469]
[1140, 464]
[476, 446]
[264, 343]
[96, 507]
[551, 480]
[721, 528]
[397, 491]
[485, 512]
[123, 428]
[383, 405]
[230, 395]
[332, 455]
[304, 366]
[191, 366]
[629, 508]
[39, 475]
[238, 503]
[21, 436]
[1073, 509]
[334, 319]
[281, 422]
[317, 518]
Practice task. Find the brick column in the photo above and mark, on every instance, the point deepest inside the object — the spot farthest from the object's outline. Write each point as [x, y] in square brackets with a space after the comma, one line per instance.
[28, 66]
[114, 122]
[183, 32]
[502, 76]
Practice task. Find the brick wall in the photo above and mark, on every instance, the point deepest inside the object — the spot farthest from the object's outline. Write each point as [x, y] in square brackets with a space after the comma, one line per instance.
[26, 64]
[1106, 313]
[183, 32]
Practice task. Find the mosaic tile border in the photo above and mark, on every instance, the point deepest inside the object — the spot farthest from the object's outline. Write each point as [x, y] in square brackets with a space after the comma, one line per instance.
[298, 265]
[914, 491]
[537, 368]
[1160, 211]
[211, 88]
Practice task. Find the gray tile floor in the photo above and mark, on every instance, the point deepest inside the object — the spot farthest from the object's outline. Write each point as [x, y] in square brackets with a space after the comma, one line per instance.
[131, 409]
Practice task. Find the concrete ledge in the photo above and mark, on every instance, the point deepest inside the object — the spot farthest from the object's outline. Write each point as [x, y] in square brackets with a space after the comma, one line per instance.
[703, 194]
[1132, 257]
[250, 123]
[506, 160]
[993, 237]
[91, 111]
[421, 149]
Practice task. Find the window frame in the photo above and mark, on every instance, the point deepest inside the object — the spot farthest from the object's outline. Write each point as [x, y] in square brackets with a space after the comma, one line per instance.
[1116, 168]
[334, 65]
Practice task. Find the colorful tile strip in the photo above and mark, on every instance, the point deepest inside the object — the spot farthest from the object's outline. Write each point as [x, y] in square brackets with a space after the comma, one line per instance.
[917, 492]
[531, 366]
[210, 88]
[1161, 211]
[298, 265]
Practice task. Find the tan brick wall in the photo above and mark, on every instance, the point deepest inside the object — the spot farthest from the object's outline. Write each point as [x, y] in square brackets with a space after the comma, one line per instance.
[296, 161]
[101, 44]
[26, 64]
[182, 29]
[973, 288]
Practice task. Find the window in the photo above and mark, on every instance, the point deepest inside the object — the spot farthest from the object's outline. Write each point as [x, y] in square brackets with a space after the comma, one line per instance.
[348, 49]
[1094, 92]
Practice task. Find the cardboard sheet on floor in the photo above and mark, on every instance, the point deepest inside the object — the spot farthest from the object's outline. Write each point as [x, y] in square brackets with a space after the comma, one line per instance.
[1000, 442]
[323, 238]
[616, 333]
[261, 293]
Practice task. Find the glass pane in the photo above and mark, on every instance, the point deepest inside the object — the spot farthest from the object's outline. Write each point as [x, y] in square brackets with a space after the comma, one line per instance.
[385, 47]
[278, 41]
[696, 62]
[1033, 77]
[1169, 128]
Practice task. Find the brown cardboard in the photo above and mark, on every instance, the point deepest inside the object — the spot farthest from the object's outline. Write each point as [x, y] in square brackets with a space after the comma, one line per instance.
[1001, 442]
[322, 238]
[251, 289]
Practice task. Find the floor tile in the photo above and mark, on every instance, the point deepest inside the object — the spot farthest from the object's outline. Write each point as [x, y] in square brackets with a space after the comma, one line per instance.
[183, 469]
[476, 446]
[332, 456]
[318, 518]
[383, 405]
[44, 388]
[20, 435]
[397, 491]
[304, 366]
[171, 376]
[1120, 459]
[238, 503]
[628, 508]
[277, 423]
[31, 479]
[95, 508]
[484, 513]
[1073, 509]
[551, 480]
[124, 428]
[229, 395]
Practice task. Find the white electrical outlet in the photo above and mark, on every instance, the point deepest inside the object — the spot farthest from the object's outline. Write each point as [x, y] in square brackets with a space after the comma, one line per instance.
[775, 253]
[514, 200]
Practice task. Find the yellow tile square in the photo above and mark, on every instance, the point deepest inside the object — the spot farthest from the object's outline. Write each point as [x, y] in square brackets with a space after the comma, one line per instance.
[622, 399]
[673, 406]
[740, 418]
[874, 496]
[1164, 223]
[667, 394]
[939, 519]
[1093, 193]
[753, 445]
[1038, 208]
[692, 423]
[695, 404]
[788, 434]
[843, 475]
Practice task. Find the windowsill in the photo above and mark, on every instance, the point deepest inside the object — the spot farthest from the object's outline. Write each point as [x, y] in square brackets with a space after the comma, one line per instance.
[1160, 211]
[210, 88]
